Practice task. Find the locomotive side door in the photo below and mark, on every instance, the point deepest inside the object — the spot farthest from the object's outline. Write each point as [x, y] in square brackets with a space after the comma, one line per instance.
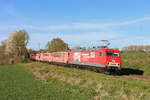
[101, 57]
[76, 57]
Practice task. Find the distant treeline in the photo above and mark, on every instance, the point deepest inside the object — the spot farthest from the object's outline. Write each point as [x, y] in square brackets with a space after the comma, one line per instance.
[136, 48]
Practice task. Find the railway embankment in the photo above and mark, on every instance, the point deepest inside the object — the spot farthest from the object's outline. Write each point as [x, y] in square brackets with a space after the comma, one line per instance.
[136, 63]
[36, 80]
[105, 86]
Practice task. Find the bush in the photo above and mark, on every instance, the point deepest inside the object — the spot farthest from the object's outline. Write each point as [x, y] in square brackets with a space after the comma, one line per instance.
[4, 58]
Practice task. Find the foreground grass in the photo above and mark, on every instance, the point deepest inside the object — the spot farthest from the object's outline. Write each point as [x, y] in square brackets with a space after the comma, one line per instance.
[137, 60]
[99, 86]
[18, 84]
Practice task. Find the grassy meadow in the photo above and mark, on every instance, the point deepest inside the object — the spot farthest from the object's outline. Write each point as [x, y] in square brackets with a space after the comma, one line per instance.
[39, 81]
[18, 84]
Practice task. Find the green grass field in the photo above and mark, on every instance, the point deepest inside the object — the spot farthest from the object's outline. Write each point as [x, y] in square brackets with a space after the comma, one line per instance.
[38, 81]
[137, 60]
[17, 84]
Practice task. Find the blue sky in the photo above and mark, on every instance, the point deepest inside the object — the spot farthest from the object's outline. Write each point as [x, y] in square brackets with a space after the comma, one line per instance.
[78, 22]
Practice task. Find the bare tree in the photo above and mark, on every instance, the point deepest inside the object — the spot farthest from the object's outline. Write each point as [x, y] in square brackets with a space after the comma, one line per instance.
[4, 57]
[16, 43]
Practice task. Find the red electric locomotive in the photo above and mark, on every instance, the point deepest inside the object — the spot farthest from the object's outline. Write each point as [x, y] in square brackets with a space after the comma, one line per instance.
[102, 58]
[105, 58]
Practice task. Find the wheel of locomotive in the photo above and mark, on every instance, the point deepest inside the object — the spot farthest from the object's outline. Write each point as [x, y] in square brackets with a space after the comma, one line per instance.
[107, 71]
[118, 72]
[101, 70]
[95, 69]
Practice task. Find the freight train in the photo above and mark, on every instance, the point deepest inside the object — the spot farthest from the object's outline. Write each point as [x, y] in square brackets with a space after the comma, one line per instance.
[102, 59]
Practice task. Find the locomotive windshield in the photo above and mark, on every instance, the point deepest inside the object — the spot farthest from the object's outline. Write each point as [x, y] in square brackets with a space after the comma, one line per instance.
[114, 54]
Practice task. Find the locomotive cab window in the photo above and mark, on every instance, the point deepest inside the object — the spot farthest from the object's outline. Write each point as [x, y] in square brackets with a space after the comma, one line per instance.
[114, 54]
[100, 54]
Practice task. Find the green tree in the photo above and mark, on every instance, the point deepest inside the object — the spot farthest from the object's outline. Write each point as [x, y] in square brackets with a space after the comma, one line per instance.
[32, 51]
[57, 44]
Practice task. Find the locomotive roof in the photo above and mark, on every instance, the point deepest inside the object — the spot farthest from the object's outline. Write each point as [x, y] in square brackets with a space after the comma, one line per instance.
[96, 49]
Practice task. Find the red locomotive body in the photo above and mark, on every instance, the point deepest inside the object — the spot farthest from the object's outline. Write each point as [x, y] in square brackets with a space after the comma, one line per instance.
[102, 58]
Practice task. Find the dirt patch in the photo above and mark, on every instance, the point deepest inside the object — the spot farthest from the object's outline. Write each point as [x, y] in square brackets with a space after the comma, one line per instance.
[145, 78]
[38, 72]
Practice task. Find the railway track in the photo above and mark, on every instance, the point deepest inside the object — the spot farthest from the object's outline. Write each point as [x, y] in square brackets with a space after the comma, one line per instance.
[139, 77]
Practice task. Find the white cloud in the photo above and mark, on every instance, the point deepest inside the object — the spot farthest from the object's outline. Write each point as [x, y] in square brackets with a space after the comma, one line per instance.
[125, 41]
[84, 39]
[88, 39]
[79, 26]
